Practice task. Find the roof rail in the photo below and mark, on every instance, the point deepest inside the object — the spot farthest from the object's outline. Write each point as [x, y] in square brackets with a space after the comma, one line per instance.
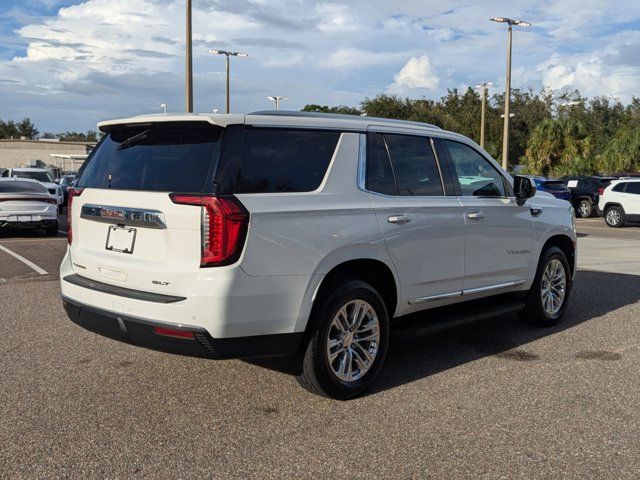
[341, 116]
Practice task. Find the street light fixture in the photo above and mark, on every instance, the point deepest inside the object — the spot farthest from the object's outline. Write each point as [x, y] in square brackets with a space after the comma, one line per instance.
[507, 98]
[228, 54]
[484, 87]
[277, 99]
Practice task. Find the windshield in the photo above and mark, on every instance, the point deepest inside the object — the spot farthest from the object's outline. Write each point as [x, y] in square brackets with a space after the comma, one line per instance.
[19, 187]
[39, 176]
[165, 157]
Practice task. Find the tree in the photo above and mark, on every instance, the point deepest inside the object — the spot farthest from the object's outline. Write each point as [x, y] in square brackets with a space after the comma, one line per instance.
[326, 109]
[27, 129]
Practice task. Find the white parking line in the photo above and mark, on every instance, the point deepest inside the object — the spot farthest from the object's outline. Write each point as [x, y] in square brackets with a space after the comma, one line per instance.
[24, 260]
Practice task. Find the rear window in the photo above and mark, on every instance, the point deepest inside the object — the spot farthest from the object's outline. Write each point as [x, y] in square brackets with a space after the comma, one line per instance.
[633, 187]
[163, 157]
[282, 160]
[18, 187]
[619, 187]
[556, 186]
[39, 176]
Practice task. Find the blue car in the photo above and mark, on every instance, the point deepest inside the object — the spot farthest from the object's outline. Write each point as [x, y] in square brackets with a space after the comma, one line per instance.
[555, 187]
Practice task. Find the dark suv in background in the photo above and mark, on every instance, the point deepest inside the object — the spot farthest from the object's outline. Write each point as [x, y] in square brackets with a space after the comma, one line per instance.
[585, 193]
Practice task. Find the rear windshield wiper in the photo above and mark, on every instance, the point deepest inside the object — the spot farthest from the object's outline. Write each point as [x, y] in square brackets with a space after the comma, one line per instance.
[133, 140]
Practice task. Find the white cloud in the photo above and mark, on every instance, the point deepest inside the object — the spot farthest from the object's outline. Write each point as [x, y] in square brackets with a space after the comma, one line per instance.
[418, 73]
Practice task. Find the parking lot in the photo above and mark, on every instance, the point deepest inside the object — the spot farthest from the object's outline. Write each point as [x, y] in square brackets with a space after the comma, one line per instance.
[493, 400]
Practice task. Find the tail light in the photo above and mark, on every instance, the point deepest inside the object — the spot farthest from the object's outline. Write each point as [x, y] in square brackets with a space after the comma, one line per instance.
[223, 225]
[73, 192]
[600, 190]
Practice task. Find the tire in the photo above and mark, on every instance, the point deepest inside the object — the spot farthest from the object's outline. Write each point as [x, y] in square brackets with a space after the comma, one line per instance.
[51, 231]
[538, 312]
[615, 217]
[318, 374]
[60, 208]
[584, 208]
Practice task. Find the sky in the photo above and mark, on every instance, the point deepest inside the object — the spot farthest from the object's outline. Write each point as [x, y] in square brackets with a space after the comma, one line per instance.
[68, 64]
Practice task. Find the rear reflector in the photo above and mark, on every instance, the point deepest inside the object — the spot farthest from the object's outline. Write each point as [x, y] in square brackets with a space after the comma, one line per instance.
[223, 224]
[167, 332]
[73, 192]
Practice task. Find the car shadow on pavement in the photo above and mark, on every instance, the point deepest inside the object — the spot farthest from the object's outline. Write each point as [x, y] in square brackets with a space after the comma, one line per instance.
[409, 360]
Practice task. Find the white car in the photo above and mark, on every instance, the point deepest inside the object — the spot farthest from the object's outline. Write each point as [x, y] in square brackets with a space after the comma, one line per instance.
[304, 234]
[620, 202]
[43, 176]
[26, 203]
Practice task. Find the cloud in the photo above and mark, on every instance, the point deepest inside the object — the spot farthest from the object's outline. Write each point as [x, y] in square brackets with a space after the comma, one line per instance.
[417, 74]
[99, 58]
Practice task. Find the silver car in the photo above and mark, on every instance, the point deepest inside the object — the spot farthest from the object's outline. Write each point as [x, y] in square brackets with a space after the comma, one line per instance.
[27, 203]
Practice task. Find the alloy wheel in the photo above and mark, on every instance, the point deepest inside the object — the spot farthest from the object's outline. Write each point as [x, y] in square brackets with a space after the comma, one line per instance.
[613, 217]
[353, 340]
[554, 287]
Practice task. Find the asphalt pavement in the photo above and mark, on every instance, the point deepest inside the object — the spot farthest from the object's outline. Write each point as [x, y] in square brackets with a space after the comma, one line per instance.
[497, 399]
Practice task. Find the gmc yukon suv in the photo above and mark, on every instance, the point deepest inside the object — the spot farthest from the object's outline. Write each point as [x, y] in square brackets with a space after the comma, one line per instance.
[308, 235]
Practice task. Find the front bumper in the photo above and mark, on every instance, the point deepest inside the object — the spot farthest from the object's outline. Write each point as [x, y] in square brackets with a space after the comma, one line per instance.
[140, 332]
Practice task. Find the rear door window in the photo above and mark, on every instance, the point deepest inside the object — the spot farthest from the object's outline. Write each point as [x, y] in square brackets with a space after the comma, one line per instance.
[633, 187]
[163, 157]
[284, 160]
[414, 165]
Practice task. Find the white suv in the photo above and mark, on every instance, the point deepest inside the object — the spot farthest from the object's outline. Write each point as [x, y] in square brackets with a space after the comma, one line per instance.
[620, 202]
[302, 234]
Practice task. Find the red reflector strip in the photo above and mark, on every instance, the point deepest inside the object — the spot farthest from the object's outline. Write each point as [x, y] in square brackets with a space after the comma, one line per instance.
[167, 332]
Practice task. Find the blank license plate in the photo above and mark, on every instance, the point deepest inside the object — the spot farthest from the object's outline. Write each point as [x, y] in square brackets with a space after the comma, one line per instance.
[121, 239]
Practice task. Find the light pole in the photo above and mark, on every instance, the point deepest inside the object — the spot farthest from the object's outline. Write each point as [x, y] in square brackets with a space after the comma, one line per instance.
[228, 54]
[189, 64]
[484, 87]
[507, 96]
[277, 99]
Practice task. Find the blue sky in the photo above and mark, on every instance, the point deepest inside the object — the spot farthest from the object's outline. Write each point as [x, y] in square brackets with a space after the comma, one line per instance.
[68, 64]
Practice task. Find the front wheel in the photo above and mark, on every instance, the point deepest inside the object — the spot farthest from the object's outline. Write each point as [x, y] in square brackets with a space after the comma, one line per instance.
[547, 300]
[349, 345]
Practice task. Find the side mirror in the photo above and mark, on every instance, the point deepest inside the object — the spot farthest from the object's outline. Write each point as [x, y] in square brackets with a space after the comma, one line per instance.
[57, 180]
[523, 188]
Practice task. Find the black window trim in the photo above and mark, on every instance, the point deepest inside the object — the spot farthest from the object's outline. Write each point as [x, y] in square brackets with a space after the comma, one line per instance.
[362, 165]
[506, 184]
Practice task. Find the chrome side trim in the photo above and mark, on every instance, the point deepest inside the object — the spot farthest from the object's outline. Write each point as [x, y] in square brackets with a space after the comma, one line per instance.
[493, 287]
[135, 217]
[444, 296]
[433, 298]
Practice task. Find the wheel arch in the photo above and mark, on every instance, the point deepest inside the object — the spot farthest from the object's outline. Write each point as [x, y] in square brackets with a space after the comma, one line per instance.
[564, 243]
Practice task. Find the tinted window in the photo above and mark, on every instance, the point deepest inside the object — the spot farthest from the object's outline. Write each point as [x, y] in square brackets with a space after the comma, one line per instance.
[553, 185]
[619, 187]
[162, 157]
[414, 165]
[477, 177]
[17, 186]
[280, 160]
[379, 172]
[39, 176]
[633, 187]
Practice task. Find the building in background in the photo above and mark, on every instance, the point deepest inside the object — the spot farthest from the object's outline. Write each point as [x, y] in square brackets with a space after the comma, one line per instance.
[65, 156]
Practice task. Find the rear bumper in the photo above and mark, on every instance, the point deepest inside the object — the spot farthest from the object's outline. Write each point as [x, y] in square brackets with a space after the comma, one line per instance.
[41, 223]
[140, 332]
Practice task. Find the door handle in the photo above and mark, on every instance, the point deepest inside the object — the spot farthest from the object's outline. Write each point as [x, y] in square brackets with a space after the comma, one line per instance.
[475, 216]
[399, 219]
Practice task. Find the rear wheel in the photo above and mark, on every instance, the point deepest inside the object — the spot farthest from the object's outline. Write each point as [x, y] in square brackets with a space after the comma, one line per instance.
[349, 345]
[547, 300]
[585, 208]
[615, 217]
